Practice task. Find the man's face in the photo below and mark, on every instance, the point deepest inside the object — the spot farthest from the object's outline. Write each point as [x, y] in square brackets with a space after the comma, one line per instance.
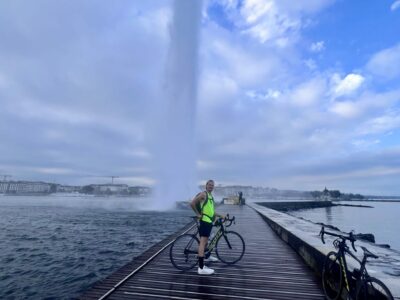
[210, 186]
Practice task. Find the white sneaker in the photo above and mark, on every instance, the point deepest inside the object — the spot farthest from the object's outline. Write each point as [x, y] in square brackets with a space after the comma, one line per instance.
[205, 271]
[211, 259]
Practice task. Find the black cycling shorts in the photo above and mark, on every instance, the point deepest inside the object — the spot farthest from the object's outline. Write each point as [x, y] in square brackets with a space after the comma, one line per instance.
[205, 229]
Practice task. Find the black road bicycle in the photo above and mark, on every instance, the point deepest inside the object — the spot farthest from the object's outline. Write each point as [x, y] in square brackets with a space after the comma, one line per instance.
[336, 276]
[229, 246]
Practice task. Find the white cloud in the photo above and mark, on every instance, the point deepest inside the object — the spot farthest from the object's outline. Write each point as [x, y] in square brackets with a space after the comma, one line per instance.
[365, 106]
[317, 46]
[216, 89]
[272, 25]
[155, 22]
[395, 5]
[310, 64]
[270, 94]
[253, 10]
[345, 109]
[138, 152]
[275, 22]
[382, 124]
[347, 85]
[309, 93]
[54, 171]
[247, 67]
[362, 143]
[386, 63]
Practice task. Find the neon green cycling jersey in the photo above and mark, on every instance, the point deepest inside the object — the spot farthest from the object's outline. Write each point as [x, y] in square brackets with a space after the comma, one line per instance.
[207, 209]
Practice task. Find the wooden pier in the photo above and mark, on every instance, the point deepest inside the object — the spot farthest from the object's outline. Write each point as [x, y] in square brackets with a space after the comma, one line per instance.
[270, 269]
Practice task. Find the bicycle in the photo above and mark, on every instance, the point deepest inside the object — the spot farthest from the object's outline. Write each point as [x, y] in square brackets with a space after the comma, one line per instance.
[229, 246]
[335, 275]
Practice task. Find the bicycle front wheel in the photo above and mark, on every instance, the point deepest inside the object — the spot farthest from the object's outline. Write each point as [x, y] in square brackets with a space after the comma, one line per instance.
[332, 276]
[230, 247]
[183, 252]
[373, 288]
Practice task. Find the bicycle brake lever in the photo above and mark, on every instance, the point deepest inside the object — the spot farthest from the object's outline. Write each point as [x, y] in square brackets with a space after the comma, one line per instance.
[321, 234]
[352, 240]
[354, 248]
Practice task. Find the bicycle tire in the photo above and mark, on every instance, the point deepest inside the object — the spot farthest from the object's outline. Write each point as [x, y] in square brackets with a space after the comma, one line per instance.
[332, 276]
[230, 247]
[373, 288]
[183, 252]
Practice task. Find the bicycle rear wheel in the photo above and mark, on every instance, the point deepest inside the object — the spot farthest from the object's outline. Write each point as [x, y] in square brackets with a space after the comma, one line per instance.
[183, 252]
[332, 276]
[230, 247]
[373, 288]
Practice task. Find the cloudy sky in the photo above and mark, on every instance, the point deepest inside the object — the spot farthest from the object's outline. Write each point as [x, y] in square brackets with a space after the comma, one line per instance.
[291, 94]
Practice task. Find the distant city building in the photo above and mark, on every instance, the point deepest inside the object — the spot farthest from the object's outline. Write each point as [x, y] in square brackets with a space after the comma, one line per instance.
[24, 187]
[3, 187]
[67, 188]
[110, 188]
[139, 190]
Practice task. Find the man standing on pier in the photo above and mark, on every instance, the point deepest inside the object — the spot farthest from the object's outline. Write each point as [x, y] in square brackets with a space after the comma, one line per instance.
[203, 206]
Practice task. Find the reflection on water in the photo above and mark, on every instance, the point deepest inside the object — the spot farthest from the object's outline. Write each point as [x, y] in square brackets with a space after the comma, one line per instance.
[382, 220]
[328, 212]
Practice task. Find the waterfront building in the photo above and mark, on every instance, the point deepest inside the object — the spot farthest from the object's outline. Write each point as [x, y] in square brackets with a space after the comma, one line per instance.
[139, 190]
[67, 188]
[24, 187]
[3, 187]
[110, 188]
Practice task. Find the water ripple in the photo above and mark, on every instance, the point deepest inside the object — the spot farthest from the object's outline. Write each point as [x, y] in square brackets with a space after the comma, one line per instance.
[58, 252]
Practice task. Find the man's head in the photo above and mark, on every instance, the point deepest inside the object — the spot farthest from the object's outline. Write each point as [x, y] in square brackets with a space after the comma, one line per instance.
[210, 186]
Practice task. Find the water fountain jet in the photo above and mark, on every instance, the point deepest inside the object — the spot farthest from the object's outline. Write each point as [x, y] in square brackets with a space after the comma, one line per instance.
[175, 148]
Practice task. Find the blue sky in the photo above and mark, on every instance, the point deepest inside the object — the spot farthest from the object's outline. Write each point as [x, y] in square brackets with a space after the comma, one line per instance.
[293, 95]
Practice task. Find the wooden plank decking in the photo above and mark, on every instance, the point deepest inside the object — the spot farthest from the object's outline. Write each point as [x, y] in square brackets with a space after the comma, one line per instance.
[270, 269]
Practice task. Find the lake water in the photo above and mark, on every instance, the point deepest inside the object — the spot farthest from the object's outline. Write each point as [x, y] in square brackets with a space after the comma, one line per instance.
[383, 220]
[56, 247]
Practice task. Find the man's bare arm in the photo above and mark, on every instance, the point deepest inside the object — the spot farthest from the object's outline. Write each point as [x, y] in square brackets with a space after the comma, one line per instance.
[197, 199]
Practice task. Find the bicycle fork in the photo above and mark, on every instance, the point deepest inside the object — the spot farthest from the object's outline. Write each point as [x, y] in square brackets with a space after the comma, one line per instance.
[227, 241]
[344, 268]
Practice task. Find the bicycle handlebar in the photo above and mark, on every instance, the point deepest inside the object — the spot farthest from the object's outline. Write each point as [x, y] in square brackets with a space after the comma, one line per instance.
[227, 219]
[350, 238]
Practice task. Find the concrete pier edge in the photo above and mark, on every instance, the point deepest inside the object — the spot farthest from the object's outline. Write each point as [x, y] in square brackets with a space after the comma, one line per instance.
[302, 236]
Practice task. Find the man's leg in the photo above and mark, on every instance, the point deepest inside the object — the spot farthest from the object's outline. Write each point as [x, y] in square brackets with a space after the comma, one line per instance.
[202, 246]
[204, 232]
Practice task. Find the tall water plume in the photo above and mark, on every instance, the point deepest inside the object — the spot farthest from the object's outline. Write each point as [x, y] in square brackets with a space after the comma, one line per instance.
[175, 156]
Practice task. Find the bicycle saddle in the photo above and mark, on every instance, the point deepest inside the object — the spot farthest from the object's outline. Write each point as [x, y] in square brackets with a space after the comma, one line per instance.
[367, 253]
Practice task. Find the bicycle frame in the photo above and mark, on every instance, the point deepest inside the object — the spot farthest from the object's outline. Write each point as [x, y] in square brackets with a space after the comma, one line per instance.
[363, 275]
[211, 244]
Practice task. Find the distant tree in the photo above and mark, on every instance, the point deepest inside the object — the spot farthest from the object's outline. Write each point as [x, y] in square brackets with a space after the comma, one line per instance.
[87, 189]
[335, 194]
[53, 188]
[316, 194]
